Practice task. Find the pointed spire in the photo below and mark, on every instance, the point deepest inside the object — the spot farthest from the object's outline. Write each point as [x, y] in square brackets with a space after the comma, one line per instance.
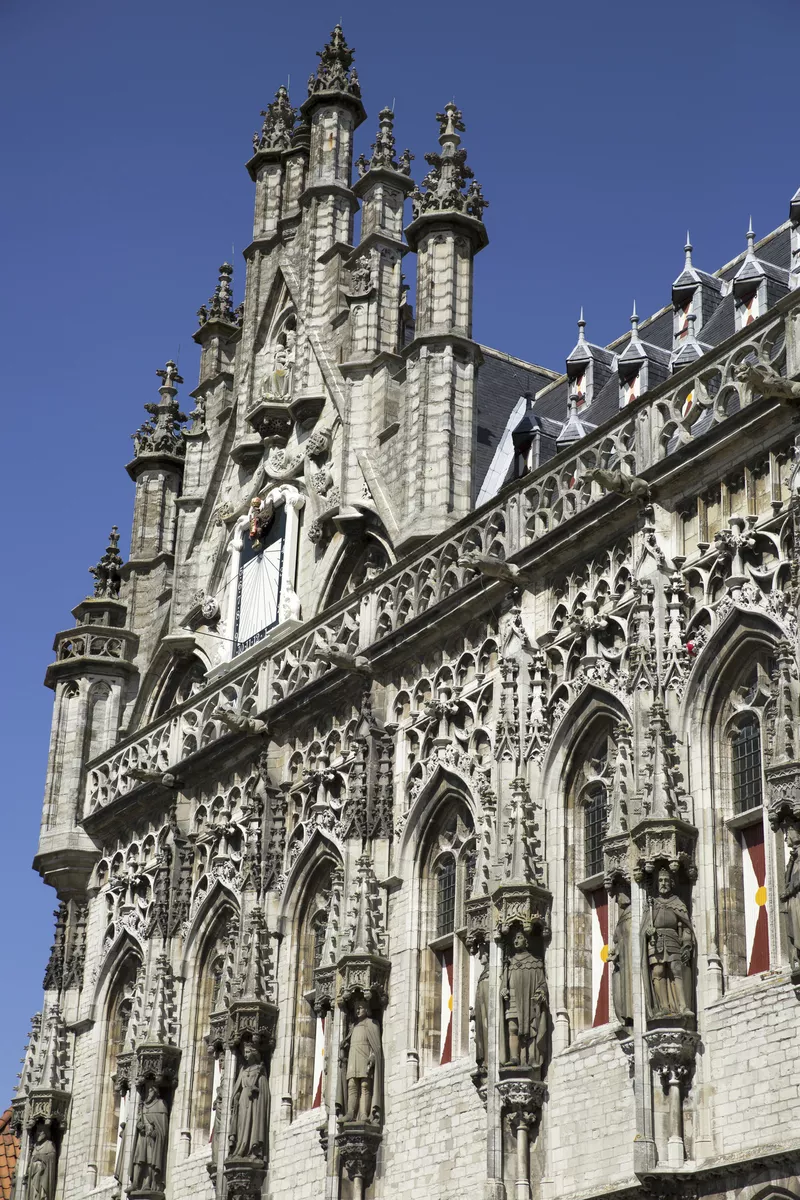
[384, 149]
[664, 795]
[634, 322]
[107, 572]
[162, 434]
[330, 945]
[335, 72]
[523, 846]
[220, 306]
[26, 1076]
[751, 237]
[446, 181]
[581, 329]
[160, 1028]
[51, 1072]
[255, 974]
[365, 933]
[687, 250]
[279, 122]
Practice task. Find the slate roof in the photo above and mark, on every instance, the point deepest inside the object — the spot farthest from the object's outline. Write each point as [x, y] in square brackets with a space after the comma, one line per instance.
[9, 1153]
[502, 379]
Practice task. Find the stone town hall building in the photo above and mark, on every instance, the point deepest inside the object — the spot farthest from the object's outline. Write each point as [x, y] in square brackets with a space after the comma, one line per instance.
[423, 802]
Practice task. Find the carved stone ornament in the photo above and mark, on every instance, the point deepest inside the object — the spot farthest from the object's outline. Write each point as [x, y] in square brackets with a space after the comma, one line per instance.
[783, 791]
[522, 1099]
[243, 1180]
[672, 1053]
[479, 920]
[667, 840]
[358, 1149]
[525, 904]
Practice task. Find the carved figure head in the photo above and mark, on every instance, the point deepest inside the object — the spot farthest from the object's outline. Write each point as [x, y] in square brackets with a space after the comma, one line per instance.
[792, 837]
[664, 882]
[520, 940]
[623, 901]
[361, 1010]
[151, 1093]
[251, 1054]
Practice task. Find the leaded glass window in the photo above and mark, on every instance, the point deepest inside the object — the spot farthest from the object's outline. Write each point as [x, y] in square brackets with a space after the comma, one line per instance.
[746, 752]
[446, 896]
[595, 817]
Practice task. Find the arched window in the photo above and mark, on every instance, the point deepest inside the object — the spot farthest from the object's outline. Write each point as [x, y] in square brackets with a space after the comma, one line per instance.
[746, 851]
[588, 811]
[311, 1026]
[448, 872]
[115, 1095]
[206, 1065]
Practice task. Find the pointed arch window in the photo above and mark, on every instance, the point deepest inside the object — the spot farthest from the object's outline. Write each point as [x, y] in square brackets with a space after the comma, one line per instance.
[445, 976]
[311, 1026]
[746, 854]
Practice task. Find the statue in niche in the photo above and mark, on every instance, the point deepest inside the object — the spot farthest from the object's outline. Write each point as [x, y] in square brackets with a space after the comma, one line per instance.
[360, 1089]
[480, 1011]
[249, 1128]
[150, 1144]
[525, 1005]
[791, 892]
[668, 950]
[277, 383]
[43, 1167]
[619, 956]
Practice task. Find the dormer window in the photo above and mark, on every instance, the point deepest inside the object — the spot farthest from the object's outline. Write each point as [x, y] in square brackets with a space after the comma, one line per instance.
[682, 318]
[579, 389]
[750, 309]
[632, 388]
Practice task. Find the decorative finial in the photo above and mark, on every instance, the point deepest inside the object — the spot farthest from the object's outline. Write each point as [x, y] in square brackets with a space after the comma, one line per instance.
[162, 434]
[220, 306]
[444, 184]
[634, 320]
[751, 237]
[335, 72]
[279, 121]
[107, 576]
[687, 249]
[383, 148]
[581, 327]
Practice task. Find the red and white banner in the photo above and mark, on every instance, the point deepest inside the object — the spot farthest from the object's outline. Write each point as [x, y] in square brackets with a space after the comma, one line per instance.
[756, 921]
[599, 903]
[319, 1062]
[446, 1011]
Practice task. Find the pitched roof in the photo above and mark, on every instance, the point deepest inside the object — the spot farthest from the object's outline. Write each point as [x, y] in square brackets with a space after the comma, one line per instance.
[9, 1153]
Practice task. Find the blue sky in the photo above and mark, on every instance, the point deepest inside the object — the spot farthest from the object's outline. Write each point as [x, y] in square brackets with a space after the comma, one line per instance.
[599, 132]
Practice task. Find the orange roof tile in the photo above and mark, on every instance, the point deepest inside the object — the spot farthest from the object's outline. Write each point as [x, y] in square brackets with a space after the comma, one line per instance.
[9, 1153]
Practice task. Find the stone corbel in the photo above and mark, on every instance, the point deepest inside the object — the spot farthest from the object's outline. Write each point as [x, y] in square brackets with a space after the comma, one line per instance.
[668, 840]
[358, 1150]
[783, 794]
[525, 904]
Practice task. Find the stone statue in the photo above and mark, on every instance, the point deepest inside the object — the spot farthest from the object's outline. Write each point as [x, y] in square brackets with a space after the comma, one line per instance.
[525, 1004]
[620, 958]
[480, 1011]
[791, 892]
[43, 1167]
[249, 1128]
[668, 949]
[762, 377]
[278, 383]
[150, 1144]
[360, 1090]
[619, 481]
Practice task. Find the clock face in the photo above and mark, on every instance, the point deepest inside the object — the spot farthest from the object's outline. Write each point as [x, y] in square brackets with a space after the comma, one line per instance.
[259, 584]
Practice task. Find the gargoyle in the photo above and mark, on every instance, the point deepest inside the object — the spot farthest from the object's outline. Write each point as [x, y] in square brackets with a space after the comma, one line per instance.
[763, 378]
[619, 481]
[492, 566]
[239, 722]
[339, 656]
[143, 775]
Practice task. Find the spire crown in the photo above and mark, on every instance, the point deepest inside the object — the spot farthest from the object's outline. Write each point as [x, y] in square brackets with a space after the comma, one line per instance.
[581, 329]
[220, 305]
[445, 182]
[751, 238]
[279, 122]
[107, 572]
[162, 434]
[335, 72]
[687, 249]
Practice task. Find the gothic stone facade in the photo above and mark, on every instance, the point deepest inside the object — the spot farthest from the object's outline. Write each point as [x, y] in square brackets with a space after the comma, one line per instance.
[423, 802]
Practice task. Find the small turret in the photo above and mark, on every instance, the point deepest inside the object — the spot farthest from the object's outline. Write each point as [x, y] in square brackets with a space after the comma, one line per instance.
[157, 470]
[757, 285]
[266, 167]
[694, 292]
[439, 417]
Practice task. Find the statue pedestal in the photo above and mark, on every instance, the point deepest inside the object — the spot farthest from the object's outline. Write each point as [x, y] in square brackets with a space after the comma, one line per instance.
[145, 1194]
[244, 1178]
[358, 1144]
[522, 1095]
